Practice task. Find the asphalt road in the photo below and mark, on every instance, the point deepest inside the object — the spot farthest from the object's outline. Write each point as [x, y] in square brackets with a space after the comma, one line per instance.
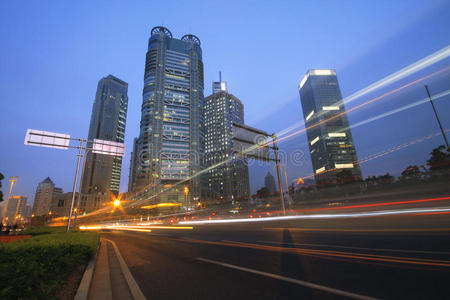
[267, 261]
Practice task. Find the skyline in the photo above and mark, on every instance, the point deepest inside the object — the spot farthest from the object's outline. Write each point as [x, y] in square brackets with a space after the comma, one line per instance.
[43, 115]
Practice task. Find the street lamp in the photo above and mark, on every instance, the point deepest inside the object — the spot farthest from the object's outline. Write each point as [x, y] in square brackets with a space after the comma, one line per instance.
[186, 191]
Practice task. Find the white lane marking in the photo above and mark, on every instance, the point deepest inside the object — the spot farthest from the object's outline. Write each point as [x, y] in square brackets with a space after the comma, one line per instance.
[358, 248]
[132, 284]
[288, 279]
[324, 216]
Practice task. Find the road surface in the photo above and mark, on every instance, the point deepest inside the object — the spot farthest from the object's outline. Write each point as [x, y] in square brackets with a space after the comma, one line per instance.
[388, 257]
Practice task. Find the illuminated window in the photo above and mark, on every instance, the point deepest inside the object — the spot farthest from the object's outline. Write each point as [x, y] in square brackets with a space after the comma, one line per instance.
[330, 108]
[320, 170]
[343, 166]
[314, 141]
[337, 134]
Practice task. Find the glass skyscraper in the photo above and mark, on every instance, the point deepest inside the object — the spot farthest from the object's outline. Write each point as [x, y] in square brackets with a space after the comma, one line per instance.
[332, 151]
[171, 143]
[230, 180]
[102, 172]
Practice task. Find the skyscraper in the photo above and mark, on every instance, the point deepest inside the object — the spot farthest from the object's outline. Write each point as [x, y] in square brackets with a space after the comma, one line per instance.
[171, 143]
[230, 180]
[269, 183]
[332, 151]
[109, 113]
[45, 193]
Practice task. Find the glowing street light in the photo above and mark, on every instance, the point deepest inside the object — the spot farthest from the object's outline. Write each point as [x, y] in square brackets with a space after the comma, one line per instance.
[186, 191]
[116, 203]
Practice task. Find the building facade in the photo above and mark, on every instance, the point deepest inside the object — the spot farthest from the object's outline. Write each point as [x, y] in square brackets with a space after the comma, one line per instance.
[332, 150]
[171, 141]
[269, 183]
[225, 181]
[101, 174]
[45, 193]
[14, 210]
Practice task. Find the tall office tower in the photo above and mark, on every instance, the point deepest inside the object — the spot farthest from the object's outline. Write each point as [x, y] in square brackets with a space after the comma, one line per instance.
[109, 112]
[134, 163]
[269, 183]
[333, 153]
[171, 142]
[227, 181]
[14, 209]
[45, 193]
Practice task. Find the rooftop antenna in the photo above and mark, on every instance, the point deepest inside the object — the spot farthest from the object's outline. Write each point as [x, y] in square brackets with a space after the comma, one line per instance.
[220, 76]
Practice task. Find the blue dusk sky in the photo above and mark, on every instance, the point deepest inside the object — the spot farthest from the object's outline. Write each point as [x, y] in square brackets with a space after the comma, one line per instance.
[53, 53]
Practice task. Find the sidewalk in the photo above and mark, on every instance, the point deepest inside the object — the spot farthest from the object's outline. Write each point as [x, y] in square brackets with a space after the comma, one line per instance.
[107, 276]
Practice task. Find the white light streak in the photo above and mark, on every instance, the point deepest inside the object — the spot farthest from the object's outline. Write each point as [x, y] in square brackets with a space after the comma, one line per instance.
[323, 216]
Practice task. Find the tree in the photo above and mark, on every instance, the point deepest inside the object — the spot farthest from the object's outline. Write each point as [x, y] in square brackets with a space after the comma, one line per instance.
[439, 160]
[1, 193]
[411, 173]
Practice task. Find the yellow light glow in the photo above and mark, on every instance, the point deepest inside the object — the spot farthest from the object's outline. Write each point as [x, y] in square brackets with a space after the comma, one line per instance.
[116, 202]
[300, 180]
[164, 204]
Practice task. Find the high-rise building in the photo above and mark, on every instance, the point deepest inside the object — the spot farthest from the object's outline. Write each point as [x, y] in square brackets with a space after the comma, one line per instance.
[134, 164]
[109, 112]
[171, 143]
[227, 181]
[332, 151]
[14, 209]
[45, 193]
[269, 183]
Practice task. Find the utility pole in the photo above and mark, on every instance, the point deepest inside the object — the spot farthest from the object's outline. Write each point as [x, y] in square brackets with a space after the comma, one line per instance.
[437, 118]
[277, 163]
[75, 183]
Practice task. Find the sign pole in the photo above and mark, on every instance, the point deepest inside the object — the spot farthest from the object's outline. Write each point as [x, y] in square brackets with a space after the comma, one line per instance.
[80, 151]
[79, 190]
[277, 163]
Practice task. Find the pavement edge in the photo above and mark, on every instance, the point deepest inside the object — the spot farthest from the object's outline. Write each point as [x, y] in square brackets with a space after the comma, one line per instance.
[85, 284]
[132, 284]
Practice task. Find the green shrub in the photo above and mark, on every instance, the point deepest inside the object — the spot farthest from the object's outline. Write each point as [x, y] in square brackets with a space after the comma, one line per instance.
[42, 230]
[36, 267]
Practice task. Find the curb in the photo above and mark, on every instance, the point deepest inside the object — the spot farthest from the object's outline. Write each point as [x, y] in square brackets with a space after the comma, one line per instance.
[85, 284]
[132, 284]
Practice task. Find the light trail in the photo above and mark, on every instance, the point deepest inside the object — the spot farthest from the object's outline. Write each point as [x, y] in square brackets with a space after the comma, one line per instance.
[141, 228]
[397, 110]
[324, 253]
[362, 104]
[320, 216]
[403, 73]
[381, 153]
